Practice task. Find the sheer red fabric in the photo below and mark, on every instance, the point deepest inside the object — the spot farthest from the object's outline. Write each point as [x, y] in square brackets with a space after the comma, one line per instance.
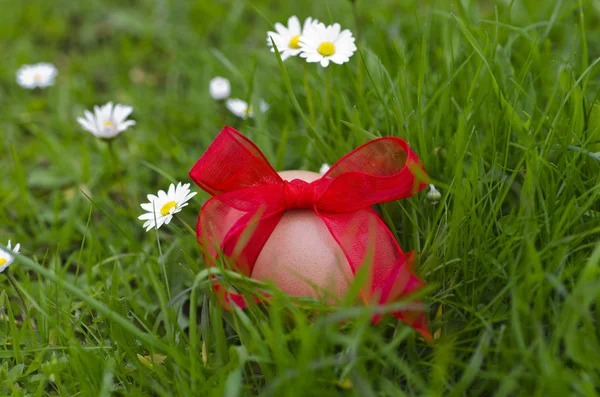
[249, 195]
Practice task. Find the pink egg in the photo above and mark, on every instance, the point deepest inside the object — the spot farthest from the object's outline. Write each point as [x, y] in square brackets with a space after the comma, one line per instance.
[301, 257]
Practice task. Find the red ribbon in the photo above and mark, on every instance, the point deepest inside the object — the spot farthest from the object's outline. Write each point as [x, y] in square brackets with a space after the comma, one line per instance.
[250, 195]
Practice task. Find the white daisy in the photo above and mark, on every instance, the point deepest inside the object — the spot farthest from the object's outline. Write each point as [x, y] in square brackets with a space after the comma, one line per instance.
[160, 209]
[241, 109]
[219, 88]
[322, 44]
[40, 75]
[107, 121]
[324, 168]
[287, 39]
[6, 258]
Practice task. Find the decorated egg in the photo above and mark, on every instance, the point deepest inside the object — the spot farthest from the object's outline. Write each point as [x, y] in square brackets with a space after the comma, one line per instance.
[305, 232]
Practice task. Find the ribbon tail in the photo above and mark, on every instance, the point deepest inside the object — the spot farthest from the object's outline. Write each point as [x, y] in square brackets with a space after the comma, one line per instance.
[366, 241]
[402, 283]
[228, 299]
[246, 238]
[243, 245]
[238, 230]
[418, 322]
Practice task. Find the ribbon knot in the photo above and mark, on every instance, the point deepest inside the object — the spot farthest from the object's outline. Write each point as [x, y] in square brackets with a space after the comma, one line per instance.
[250, 198]
[298, 194]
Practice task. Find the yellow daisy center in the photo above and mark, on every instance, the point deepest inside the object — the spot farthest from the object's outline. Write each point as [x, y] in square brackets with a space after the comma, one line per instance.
[37, 77]
[3, 261]
[295, 42]
[166, 209]
[109, 124]
[326, 49]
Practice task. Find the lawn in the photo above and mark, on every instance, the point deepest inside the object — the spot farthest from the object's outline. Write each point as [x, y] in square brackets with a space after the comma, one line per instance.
[498, 99]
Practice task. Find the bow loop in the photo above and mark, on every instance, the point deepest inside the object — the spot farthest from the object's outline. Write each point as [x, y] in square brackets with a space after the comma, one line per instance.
[381, 170]
[232, 162]
[298, 194]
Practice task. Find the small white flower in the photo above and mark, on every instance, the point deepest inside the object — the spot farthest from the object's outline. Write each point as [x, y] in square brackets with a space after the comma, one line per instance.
[287, 39]
[434, 195]
[241, 109]
[40, 75]
[219, 88]
[322, 44]
[160, 209]
[107, 121]
[324, 168]
[6, 258]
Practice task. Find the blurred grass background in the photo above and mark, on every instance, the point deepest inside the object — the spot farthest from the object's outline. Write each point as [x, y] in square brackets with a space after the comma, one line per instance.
[499, 100]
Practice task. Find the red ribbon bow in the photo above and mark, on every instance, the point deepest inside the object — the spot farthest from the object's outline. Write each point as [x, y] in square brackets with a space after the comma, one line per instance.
[248, 192]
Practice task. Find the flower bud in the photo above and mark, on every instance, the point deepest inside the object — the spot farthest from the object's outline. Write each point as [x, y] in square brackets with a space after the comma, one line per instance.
[219, 88]
[434, 195]
[324, 168]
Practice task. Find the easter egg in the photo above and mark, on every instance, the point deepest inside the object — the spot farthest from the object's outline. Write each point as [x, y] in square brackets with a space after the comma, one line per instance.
[301, 257]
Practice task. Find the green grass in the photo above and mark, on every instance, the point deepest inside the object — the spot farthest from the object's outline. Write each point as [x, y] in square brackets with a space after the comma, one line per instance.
[499, 100]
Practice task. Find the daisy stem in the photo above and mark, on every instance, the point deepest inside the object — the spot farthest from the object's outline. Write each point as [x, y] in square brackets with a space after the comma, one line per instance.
[356, 18]
[309, 102]
[188, 227]
[13, 282]
[116, 168]
[328, 101]
[222, 112]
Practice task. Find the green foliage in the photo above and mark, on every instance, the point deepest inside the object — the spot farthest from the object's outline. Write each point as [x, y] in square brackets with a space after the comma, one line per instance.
[499, 100]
